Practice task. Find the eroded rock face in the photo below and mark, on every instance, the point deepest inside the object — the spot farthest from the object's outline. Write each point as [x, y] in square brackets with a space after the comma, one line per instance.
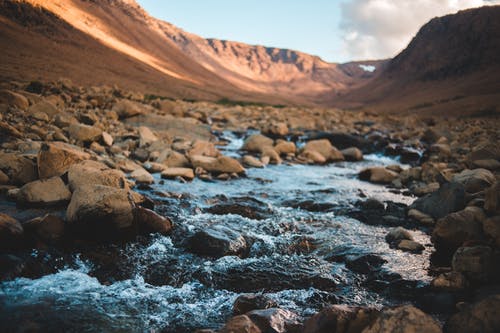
[55, 158]
[47, 192]
[481, 317]
[341, 319]
[403, 319]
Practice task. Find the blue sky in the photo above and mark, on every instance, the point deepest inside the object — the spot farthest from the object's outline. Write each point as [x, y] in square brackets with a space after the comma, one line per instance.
[336, 30]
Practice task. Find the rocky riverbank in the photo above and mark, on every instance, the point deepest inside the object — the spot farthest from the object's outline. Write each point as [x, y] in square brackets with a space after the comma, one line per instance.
[78, 169]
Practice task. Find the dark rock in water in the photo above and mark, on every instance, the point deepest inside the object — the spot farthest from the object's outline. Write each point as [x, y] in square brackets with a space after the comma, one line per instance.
[344, 140]
[148, 221]
[373, 212]
[310, 205]
[270, 274]
[275, 320]
[341, 319]
[10, 267]
[481, 317]
[448, 199]
[248, 302]
[49, 228]
[217, 241]
[409, 155]
[438, 302]
[365, 264]
[405, 318]
[11, 232]
[244, 206]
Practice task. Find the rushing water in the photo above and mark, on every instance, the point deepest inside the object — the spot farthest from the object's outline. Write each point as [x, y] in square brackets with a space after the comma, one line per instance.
[155, 284]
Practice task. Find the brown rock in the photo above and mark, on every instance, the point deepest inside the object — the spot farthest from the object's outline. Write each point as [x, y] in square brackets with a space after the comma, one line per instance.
[341, 319]
[45, 192]
[49, 228]
[273, 156]
[275, 320]
[256, 143]
[450, 281]
[222, 164]
[84, 133]
[379, 175]
[240, 324]
[313, 156]
[481, 317]
[492, 199]
[18, 168]
[277, 129]
[475, 180]
[491, 228]
[325, 148]
[146, 136]
[107, 139]
[422, 218]
[477, 263]
[352, 154]
[251, 161]
[95, 173]
[141, 176]
[204, 148]
[410, 246]
[44, 107]
[4, 179]
[13, 99]
[55, 158]
[11, 232]
[283, 147]
[126, 109]
[148, 221]
[185, 173]
[405, 318]
[173, 159]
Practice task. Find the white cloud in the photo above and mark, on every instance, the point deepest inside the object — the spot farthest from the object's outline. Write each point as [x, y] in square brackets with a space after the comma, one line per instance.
[376, 29]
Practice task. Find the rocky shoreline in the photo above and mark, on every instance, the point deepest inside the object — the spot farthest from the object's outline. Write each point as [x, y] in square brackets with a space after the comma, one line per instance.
[76, 165]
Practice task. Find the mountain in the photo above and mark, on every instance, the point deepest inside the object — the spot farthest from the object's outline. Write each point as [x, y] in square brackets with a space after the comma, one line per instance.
[451, 66]
[116, 42]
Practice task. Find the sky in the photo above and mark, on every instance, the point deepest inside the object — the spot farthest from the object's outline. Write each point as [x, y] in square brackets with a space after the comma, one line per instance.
[335, 30]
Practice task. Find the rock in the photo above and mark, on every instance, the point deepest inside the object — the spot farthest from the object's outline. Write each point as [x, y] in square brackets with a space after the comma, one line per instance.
[154, 167]
[44, 107]
[256, 143]
[483, 153]
[352, 154]
[251, 161]
[480, 317]
[84, 133]
[186, 173]
[11, 232]
[490, 164]
[55, 158]
[276, 130]
[275, 320]
[491, 228]
[221, 164]
[410, 246]
[40, 116]
[422, 189]
[422, 218]
[365, 264]
[7, 130]
[4, 179]
[345, 140]
[147, 221]
[49, 228]
[325, 148]
[217, 241]
[405, 318]
[204, 148]
[173, 159]
[441, 149]
[283, 147]
[141, 176]
[475, 180]
[13, 99]
[95, 173]
[100, 212]
[45, 192]
[63, 120]
[477, 263]
[492, 199]
[313, 156]
[107, 139]
[126, 109]
[398, 234]
[97, 148]
[453, 230]
[146, 136]
[378, 175]
[273, 156]
[240, 324]
[448, 199]
[451, 281]
[341, 319]
[19, 169]
[248, 302]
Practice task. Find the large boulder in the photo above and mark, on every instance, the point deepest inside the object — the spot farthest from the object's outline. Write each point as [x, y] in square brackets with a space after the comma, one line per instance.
[379, 175]
[275, 320]
[84, 133]
[55, 158]
[49, 228]
[405, 318]
[95, 173]
[13, 99]
[141, 176]
[448, 199]
[480, 317]
[19, 169]
[45, 192]
[283, 147]
[256, 143]
[478, 263]
[204, 148]
[475, 180]
[341, 319]
[217, 241]
[352, 154]
[484, 156]
[221, 164]
[11, 232]
[324, 148]
[240, 324]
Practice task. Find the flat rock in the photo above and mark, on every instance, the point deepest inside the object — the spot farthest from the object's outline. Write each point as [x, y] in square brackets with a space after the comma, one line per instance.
[146, 136]
[45, 192]
[221, 164]
[170, 173]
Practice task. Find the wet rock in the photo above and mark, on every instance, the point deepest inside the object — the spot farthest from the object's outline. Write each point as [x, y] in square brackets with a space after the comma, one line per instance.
[420, 217]
[491, 228]
[13, 99]
[141, 176]
[405, 318]
[4, 179]
[475, 180]
[248, 302]
[55, 158]
[84, 133]
[126, 109]
[310, 205]
[313, 156]
[11, 267]
[324, 148]
[244, 206]
[477, 263]
[409, 155]
[398, 234]
[49, 228]
[480, 317]
[222, 164]
[345, 140]
[341, 319]
[146, 136]
[410, 246]
[448, 199]
[453, 230]
[240, 324]
[275, 320]
[352, 154]
[147, 221]
[217, 241]
[451, 281]
[100, 212]
[185, 173]
[365, 264]
[256, 143]
[46, 192]
[379, 175]
[95, 173]
[19, 169]
[11, 232]
[492, 199]
[251, 161]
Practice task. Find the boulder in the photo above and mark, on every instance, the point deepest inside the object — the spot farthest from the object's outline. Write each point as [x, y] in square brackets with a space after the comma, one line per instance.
[352, 154]
[475, 180]
[410, 246]
[365, 264]
[107, 139]
[420, 217]
[204, 148]
[186, 173]
[478, 263]
[313, 156]
[11, 232]
[491, 228]
[454, 229]
[4, 179]
[275, 320]
[49, 228]
[247, 302]
[251, 161]
[451, 281]
[480, 317]
[146, 136]
[44, 192]
[256, 143]
[379, 175]
[341, 319]
[217, 241]
[448, 199]
[173, 159]
[398, 234]
[483, 155]
[126, 109]
[147, 221]
[492, 199]
[277, 130]
[274, 157]
[95, 173]
[240, 324]
[283, 147]
[13, 99]
[141, 176]
[406, 318]
[325, 148]
[19, 169]
[44, 107]
[221, 164]
[84, 133]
